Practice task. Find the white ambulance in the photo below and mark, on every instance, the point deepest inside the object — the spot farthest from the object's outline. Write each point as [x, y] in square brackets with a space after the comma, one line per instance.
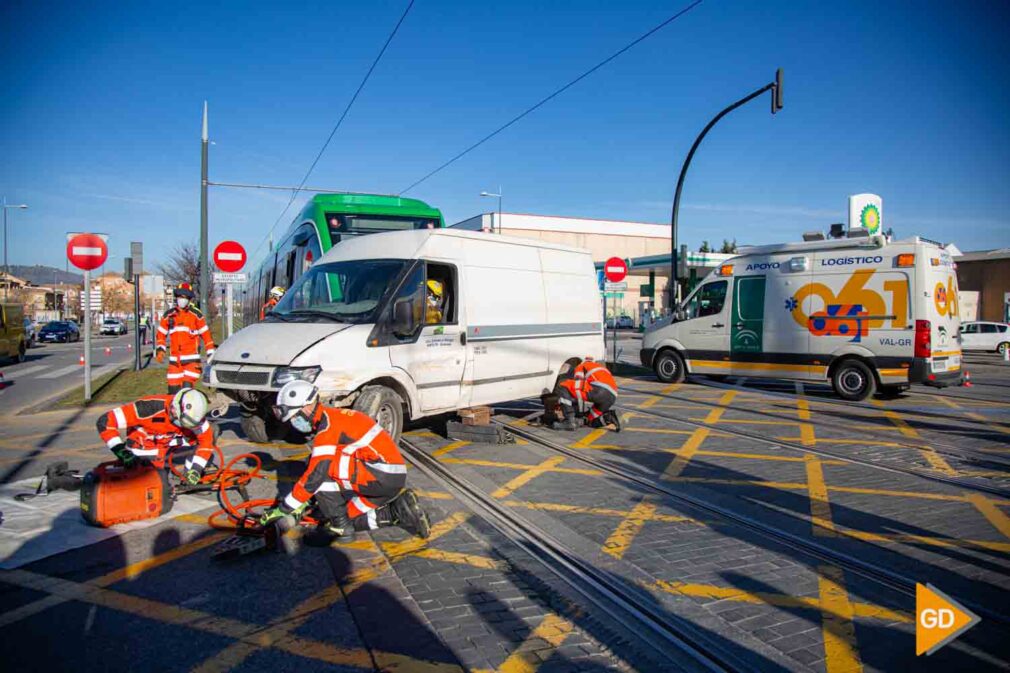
[366, 326]
[866, 314]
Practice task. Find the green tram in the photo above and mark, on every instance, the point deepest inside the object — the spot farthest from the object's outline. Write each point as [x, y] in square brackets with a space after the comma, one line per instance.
[324, 221]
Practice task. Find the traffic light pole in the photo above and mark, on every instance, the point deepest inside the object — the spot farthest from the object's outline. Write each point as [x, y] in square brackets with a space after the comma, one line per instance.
[776, 89]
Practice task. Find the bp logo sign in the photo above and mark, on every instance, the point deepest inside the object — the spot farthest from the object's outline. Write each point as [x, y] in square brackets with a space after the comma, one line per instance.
[869, 218]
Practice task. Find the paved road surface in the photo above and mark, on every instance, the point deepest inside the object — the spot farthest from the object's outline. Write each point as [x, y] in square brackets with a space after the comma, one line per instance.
[51, 368]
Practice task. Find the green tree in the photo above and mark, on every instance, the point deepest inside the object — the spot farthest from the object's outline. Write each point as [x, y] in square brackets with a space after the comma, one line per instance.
[728, 247]
[705, 247]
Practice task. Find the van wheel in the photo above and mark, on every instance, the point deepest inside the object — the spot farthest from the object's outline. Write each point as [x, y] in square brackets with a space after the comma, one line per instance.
[1001, 349]
[669, 367]
[853, 381]
[21, 352]
[385, 406]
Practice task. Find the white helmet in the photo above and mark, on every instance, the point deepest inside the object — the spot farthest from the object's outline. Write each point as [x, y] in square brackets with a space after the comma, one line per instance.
[292, 397]
[189, 408]
[277, 292]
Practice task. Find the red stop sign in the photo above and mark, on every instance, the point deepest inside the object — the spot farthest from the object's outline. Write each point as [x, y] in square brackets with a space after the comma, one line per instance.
[615, 270]
[86, 251]
[229, 256]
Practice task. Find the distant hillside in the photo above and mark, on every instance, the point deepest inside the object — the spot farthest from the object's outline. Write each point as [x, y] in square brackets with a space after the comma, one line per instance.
[45, 275]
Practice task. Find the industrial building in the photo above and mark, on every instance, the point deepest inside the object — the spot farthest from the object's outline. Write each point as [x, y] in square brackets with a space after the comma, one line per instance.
[986, 272]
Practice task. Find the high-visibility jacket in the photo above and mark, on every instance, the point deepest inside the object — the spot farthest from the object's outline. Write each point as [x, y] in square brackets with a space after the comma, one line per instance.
[351, 453]
[586, 376]
[184, 328]
[150, 431]
[267, 307]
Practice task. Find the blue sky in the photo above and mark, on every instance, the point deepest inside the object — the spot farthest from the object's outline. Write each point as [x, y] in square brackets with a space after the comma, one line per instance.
[100, 119]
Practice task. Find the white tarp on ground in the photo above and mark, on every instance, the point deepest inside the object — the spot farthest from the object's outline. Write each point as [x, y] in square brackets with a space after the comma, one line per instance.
[51, 524]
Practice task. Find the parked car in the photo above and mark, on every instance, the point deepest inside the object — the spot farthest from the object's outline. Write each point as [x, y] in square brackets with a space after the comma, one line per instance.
[59, 331]
[12, 332]
[30, 327]
[113, 326]
[625, 322]
[985, 336]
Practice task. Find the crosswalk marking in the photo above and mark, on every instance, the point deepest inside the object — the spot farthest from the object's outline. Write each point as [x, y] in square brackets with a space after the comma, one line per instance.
[28, 370]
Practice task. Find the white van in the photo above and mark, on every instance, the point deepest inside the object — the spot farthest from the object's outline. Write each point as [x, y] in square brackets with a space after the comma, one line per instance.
[862, 313]
[514, 314]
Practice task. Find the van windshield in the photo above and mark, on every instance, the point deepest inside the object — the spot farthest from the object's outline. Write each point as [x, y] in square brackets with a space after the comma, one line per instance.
[339, 292]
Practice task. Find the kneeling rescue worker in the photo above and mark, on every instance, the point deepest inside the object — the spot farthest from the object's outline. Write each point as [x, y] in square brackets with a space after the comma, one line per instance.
[589, 390]
[355, 472]
[184, 327]
[157, 423]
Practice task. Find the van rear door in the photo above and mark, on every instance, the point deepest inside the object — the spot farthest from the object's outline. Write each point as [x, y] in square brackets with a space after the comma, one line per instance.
[942, 311]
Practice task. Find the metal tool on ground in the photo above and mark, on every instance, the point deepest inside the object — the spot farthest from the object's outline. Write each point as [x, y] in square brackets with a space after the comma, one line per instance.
[58, 477]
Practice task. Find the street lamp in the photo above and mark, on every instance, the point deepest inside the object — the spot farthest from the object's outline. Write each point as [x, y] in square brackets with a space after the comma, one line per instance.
[776, 105]
[7, 276]
[498, 195]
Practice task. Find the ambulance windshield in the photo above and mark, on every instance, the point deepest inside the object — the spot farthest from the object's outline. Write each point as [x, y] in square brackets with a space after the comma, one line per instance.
[339, 292]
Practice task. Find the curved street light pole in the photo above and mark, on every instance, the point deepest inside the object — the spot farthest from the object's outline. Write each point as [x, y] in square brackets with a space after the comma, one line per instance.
[776, 89]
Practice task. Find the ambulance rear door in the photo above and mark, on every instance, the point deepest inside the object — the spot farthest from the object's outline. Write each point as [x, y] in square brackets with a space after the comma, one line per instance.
[939, 305]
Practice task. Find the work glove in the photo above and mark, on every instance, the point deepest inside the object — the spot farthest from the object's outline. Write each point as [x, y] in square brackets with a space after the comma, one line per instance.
[271, 515]
[124, 455]
[191, 477]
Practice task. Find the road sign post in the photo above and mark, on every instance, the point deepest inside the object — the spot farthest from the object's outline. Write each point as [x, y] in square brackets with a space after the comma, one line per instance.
[87, 252]
[615, 270]
[230, 257]
[137, 256]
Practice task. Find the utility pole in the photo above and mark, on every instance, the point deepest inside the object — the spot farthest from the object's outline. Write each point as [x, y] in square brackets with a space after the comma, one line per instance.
[7, 276]
[776, 105]
[204, 267]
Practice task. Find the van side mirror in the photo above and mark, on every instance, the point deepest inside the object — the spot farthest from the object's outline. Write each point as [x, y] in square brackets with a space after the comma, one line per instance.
[679, 315]
[403, 317]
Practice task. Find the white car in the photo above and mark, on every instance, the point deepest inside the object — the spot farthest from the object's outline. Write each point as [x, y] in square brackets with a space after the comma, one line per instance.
[985, 336]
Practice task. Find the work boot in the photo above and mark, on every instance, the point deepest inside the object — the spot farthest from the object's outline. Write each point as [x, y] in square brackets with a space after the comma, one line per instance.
[408, 514]
[340, 526]
[567, 424]
[613, 419]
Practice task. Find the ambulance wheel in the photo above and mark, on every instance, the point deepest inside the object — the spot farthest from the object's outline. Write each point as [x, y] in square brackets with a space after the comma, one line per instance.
[669, 367]
[853, 381]
[385, 406]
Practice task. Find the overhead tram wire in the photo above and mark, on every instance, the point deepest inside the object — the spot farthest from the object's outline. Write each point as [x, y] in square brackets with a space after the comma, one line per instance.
[322, 150]
[556, 93]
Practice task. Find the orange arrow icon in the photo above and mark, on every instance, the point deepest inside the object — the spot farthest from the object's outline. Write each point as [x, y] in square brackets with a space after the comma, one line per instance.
[939, 619]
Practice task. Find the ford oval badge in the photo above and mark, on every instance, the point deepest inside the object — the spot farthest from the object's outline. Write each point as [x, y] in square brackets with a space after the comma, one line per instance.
[245, 355]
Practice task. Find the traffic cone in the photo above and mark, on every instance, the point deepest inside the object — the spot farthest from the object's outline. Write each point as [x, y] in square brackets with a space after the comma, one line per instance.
[108, 351]
[967, 379]
[80, 360]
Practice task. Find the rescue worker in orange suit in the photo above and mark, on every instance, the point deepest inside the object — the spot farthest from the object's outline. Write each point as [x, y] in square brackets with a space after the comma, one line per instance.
[276, 293]
[157, 423]
[183, 325]
[589, 390]
[355, 473]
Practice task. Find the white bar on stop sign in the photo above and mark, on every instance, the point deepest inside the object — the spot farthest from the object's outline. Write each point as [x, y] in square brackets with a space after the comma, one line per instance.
[230, 256]
[87, 252]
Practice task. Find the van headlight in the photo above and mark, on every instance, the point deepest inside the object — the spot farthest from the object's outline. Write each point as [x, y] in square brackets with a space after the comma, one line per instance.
[284, 375]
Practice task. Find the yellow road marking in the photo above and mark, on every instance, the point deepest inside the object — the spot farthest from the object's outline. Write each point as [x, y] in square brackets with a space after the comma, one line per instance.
[997, 518]
[448, 448]
[934, 459]
[734, 421]
[858, 442]
[992, 425]
[817, 490]
[516, 466]
[464, 559]
[807, 437]
[553, 629]
[601, 511]
[531, 473]
[841, 653]
[906, 538]
[619, 541]
[434, 495]
[446, 525]
[867, 610]
[252, 634]
[586, 441]
[686, 452]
